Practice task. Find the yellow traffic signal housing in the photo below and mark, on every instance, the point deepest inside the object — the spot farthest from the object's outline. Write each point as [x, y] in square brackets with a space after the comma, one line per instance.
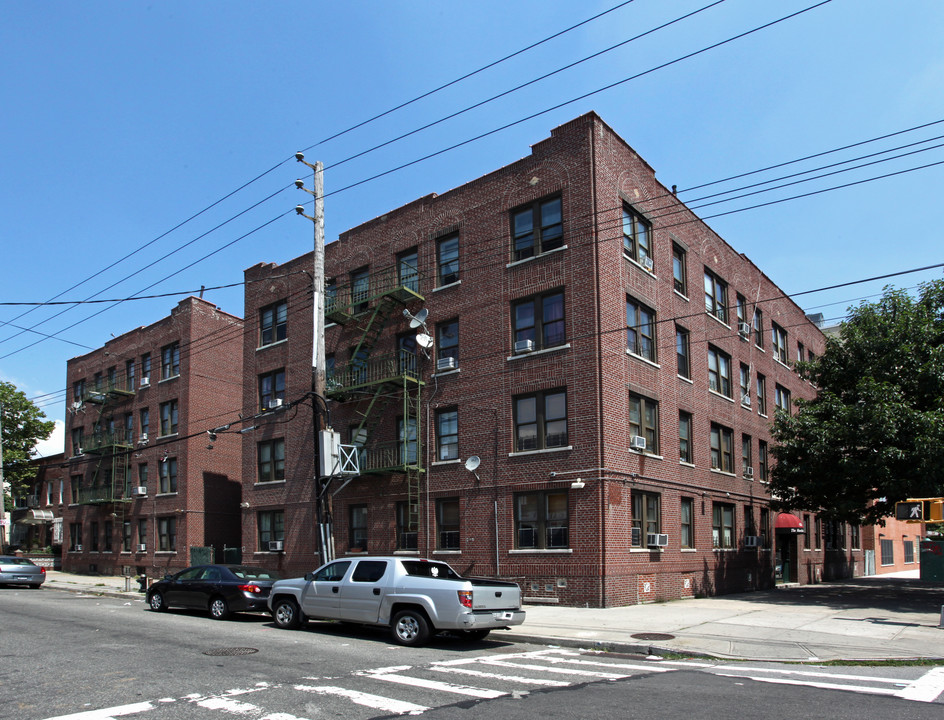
[920, 510]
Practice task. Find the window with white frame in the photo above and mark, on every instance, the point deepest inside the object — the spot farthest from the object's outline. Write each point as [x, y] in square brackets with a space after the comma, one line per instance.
[716, 296]
[719, 371]
[447, 434]
[637, 237]
[779, 342]
[640, 330]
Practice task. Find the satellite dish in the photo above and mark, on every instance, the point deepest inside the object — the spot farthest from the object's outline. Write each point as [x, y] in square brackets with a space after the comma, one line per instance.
[473, 463]
[424, 341]
[419, 318]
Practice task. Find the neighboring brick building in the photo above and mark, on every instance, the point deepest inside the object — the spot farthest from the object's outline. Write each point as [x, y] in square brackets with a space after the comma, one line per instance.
[145, 482]
[894, 546]
[611, 361]
[37, 515]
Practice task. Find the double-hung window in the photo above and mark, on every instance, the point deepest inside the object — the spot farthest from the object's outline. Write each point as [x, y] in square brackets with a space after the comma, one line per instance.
[537, 229]
[406, 538]
[644, 421]
[747, 455]
[685, 437]
[722, 525]
[447, 345]
[272, 323]
[758, 328]
[447, 249]
[719, 371]
[782, 399]
[360, 290]
[740, 309]
[640, 330]
[406, 441]
[271, 460]
[779, 340]
[271, 527]
[646, 516]
[540, 320]
[745, 385]
[447, 434]
[687, 512]
[167, 471]
[637, 237]
[169, 417]
[683, 352]
[357, 526]
[167, 534]
[716, 296]
[129, 375]
[272, 389]
[722, 448]
[761, 394]
[408, 273]
[447, 524]
[542, 520]
[762, 460]
[145, 369]
[679, 270]
[540, 420]
[170, 361]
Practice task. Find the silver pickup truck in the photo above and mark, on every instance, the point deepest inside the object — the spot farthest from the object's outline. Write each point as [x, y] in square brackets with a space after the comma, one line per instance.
[413, 597]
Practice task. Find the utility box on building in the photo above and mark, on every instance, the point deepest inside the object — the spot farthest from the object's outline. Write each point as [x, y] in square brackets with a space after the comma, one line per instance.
[932, 561]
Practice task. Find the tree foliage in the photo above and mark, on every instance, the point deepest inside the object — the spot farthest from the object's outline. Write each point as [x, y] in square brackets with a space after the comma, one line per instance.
[874, 435]
[23, 425]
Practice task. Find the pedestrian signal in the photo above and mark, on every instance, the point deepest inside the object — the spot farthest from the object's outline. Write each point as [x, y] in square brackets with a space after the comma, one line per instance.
[920, 511]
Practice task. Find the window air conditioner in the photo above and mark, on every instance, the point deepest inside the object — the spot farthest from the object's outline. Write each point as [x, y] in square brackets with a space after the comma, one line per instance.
[139, 491]
[657, 539]
[524, 346]
[746, 400]
[744, 329]
[142, 439]
[751, 541]
[142, 548]
[276, 545]
[646, 262]
[78, 548]
[446, 363]
[145, 381]
[748, 472]
[275, 403]
[637, 442]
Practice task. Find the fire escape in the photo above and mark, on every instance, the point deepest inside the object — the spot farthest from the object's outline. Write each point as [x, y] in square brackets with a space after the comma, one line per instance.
[377, 383]
[109, 444]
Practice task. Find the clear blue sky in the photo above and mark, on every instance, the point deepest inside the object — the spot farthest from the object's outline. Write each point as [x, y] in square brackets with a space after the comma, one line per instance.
[122, 119]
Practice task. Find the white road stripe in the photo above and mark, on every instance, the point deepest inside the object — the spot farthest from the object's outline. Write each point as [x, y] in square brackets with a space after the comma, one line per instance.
[436, 685]
[926, 688]
[498, 676]
[237, 707]
[107, 713]
[554, 670]
[811, 683]
[372, 701]
[807, 673]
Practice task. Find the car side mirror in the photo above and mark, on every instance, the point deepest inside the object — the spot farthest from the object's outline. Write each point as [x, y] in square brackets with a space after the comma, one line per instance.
[309, 576]
[168, 576]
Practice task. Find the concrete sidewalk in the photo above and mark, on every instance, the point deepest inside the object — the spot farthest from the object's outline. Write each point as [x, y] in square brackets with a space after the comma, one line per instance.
[874, 618]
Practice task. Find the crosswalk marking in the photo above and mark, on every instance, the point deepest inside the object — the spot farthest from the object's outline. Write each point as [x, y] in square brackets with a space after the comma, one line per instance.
[376, 702]
[558, 671]
[813, 683]
[926, 688]
[107, 713]
[547, 682]
[467, 690]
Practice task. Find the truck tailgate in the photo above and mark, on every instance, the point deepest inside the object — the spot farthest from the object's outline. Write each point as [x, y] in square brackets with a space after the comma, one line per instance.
[495, 596]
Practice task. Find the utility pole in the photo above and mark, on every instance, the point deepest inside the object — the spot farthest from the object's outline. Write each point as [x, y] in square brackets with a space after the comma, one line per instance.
[6, 532]
[322, 507]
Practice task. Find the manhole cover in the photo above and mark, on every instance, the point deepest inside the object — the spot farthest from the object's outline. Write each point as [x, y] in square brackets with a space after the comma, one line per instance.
[652, 636]
[226, 652]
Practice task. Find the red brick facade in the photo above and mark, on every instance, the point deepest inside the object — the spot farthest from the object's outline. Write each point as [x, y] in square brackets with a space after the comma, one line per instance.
[551, 504]
[192, 384]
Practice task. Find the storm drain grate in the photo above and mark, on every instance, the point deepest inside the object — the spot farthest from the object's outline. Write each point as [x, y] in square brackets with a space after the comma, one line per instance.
[228, 652]
[652, 636]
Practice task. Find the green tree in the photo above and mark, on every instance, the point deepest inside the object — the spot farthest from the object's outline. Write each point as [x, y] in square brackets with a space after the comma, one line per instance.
[23, 425]
[874, 434]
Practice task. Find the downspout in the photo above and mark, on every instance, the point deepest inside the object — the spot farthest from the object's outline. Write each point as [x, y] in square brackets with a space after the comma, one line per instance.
[601, 572]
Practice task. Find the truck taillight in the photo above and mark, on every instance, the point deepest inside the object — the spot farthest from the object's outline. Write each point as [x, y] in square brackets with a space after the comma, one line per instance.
[255, 589]
[465, 598]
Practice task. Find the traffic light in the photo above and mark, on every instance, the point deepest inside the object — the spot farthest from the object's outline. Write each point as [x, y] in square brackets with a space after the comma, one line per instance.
[920, 510]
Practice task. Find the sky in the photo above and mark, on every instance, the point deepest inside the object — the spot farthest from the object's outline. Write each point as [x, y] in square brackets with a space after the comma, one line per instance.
[148, 148]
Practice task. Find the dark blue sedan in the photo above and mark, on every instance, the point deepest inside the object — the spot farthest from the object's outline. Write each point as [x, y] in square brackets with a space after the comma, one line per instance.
[219, 589]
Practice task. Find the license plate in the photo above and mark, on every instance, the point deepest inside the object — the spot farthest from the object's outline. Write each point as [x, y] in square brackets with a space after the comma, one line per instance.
[506, 616]
[22, 577]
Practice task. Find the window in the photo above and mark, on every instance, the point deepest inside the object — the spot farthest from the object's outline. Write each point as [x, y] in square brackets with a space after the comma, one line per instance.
[887, 551]
[360, 290]
[406, 354]
[143, 475]
[406, 538]
[78, 391]
[126, 536]
[129, 375]
[749, 527]
[447, 524]
[272, 389]
[758, 328]
[447, 434]
[108, 530]
[144, 421]
[637, 237]
[169, 417]
[447, 343]
[722, 525]
[806, 533]
[762, 460]
[357, 515]
[78, 437]
[856, 538]
[170, 361]
[687, 534]
[167, 534]
[745, 385]
[719, 371]
[644, 421]
[747, 454]
[722, 448]
[908, 548]
[447, 249]
[740, 307]
[679, 270]
[406, 440]
[779, 339]
[782, 398]
[408, 273]
[716, 296]
[75, 536]
[271, 460]
[74, 483]
[142, 532]
[541, 421]
[94, 536]
[541, 520]
[640, 330]
[800, 352]
[271, 527]
[540, 319]
[685, 437]
[112, 378]
[646, 516]
[761, 394]
[537, 229]
[272, 323]
[683, 352]
[765, 527]
[167, 470]
[817, 532]
[50, 492]
[129, 428]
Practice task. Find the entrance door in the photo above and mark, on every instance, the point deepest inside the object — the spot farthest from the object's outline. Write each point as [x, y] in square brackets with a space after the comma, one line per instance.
[785, 570]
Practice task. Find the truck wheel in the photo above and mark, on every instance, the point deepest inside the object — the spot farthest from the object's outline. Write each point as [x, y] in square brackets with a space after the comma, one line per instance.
[410, 628]
[475, 635]
[286, 614]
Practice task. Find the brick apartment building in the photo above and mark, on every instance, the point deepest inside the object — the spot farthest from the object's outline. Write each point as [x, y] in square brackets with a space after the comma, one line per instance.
[145, 482]
[610, 361]
[37, 514]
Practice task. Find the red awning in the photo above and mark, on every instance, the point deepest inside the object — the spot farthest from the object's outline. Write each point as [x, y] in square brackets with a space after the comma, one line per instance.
[788, 522]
